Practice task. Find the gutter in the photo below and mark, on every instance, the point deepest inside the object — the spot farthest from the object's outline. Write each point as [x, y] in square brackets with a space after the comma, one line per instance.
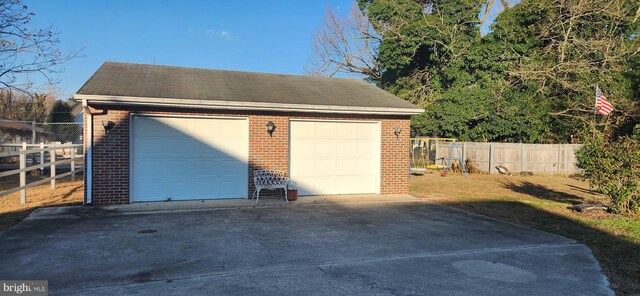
[89, 139]
[240, 105]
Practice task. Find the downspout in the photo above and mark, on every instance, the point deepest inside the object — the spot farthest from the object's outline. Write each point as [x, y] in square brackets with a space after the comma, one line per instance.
[89, 140]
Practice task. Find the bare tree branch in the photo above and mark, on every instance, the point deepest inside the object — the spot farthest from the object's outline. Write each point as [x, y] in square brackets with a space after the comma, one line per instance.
[345, 45]
[25, 51]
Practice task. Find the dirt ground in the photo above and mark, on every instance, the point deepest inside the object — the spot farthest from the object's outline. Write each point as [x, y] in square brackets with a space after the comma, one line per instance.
[12, 211]
[542, 202]
[570, 190]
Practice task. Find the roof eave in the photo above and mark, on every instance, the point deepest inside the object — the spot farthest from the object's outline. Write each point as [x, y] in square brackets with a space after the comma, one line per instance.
[240, 105]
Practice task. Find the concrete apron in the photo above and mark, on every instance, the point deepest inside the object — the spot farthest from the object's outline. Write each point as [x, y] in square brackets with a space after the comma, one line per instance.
[328, 245]
[216, 204]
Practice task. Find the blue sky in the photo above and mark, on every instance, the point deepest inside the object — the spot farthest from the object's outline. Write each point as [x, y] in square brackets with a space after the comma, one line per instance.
[259, 36]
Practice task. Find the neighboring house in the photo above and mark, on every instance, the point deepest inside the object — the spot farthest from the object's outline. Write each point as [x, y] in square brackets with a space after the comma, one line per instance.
[77, 111]
[13, 131]
[171, 133]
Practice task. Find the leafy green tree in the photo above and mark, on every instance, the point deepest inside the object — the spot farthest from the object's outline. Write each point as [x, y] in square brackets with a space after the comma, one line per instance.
[433, 55]
[531, 79]
[613, 168]
[562, 49]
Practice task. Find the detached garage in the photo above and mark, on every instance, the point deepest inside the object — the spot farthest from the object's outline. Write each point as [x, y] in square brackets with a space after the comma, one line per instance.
[157, 133]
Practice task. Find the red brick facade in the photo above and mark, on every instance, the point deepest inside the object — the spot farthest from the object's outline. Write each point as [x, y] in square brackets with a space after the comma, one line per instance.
[111, 150]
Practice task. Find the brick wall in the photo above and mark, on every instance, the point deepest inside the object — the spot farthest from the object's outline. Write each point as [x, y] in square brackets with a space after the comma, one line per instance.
[394, 162]
[111, 150]
[111, 159]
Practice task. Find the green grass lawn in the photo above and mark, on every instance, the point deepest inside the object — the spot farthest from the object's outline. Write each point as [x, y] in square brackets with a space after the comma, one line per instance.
[542, 202]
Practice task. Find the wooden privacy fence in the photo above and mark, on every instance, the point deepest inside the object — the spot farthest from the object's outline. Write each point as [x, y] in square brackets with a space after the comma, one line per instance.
[516, 157]
[58, 155]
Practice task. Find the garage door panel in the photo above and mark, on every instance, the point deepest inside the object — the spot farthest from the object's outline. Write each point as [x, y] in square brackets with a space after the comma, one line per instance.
[150, 190]
[225, 169]
[305, 166]
[324, 167]
[149, 128]
[346, 166]
[364, 167]
[189, 158]
[204, 190]
[329, 157]
[181, 148]
[200, 168]
[363, 183]
[366, 149]
[231, 148]
[302, 131]
[346, 148]
[368, 132]
[230, 187]
[177, 168]
[194, 146]
[324, 131]
[324, 184]
[179, 188]
[228, 128]
[323, 148]
[306, 185]
[154, 147]
[150, 169]
[345, 131]
[347, 184]
[304, 147]
[159, 127]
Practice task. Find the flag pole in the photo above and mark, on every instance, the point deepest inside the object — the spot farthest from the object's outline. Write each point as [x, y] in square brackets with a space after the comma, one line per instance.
[595, 112]
[595, 105]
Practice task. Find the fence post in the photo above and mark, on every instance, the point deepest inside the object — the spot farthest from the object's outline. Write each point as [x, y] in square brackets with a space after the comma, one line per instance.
[522, 159]
[564, 159]
[23, 174]
[41, 159]
[53, 168]
[73, 165]
[33, 132]
[464, 151]
[490, 158]
[559, 156]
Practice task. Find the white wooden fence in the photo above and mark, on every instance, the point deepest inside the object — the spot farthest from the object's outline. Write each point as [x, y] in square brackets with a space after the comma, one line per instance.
[59, 155]
[516, 157]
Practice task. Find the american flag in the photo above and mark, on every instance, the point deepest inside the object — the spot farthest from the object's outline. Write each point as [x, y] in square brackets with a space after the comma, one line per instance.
[603, 106]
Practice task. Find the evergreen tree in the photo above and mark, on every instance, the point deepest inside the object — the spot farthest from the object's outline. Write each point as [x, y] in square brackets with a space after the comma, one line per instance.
[61, 113]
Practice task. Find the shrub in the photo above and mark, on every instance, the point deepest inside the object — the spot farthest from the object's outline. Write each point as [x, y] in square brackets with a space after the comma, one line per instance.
[613, 168]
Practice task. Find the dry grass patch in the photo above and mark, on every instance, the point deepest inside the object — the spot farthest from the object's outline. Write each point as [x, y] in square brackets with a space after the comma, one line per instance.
[541, 202]
[12, 211]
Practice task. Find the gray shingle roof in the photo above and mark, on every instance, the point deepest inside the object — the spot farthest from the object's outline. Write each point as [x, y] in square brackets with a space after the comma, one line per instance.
[153, 81]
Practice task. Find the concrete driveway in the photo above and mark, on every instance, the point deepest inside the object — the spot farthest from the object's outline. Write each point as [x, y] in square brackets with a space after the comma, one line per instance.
[323, 246]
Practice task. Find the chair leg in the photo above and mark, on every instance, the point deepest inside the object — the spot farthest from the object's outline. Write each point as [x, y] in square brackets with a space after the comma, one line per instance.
[285, 195]
[257, 195]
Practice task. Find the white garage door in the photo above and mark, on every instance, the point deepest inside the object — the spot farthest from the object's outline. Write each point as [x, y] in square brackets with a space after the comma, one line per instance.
[331, 157]
[182, 158]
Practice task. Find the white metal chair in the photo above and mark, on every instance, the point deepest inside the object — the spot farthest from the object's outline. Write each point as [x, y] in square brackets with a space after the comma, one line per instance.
[271, 180]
